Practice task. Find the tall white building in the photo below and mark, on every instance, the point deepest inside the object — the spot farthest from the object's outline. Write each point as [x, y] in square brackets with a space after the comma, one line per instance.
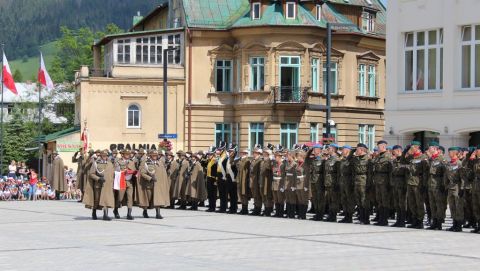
[433, 72]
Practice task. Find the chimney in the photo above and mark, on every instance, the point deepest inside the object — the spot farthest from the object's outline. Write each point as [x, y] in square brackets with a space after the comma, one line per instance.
[137, 18]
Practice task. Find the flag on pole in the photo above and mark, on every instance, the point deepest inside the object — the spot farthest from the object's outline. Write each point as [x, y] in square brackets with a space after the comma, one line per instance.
[43, 76]
[84, 138]
[7, 79]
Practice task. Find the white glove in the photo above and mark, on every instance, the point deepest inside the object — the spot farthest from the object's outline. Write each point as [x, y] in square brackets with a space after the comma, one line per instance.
[293, 188]
[306, 189]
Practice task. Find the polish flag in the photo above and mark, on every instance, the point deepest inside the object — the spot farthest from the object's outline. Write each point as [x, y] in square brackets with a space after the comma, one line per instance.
[84, 138]
[7, 79]
[43, 76]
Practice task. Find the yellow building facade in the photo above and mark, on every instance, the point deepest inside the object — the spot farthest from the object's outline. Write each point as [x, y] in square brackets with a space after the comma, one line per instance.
[253, 73]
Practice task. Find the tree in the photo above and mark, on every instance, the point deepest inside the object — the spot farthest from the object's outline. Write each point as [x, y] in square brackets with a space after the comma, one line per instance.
[17, 76]
[17, 136]
[74, 50]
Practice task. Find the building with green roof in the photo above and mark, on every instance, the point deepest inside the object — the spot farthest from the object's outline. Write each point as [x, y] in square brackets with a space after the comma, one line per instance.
[242, 71]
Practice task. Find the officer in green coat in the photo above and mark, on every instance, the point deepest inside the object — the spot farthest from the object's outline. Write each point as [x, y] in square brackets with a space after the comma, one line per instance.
[453, 183]
[436, 187]
[331, 184]
[417, 175]
[346, 184]
[360, 172]
[474, 166]
[314, 161]
[399, 185]
[382, 175]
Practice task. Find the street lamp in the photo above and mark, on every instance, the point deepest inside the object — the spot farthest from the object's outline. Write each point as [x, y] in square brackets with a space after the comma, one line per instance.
[330, 26]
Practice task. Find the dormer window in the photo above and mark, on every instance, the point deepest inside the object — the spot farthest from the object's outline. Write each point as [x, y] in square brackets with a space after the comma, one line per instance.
[256, 11]
[291, 10]
[319, 12]
[368, 21]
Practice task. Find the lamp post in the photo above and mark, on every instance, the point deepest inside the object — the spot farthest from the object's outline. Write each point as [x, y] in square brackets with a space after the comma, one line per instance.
[330, 27]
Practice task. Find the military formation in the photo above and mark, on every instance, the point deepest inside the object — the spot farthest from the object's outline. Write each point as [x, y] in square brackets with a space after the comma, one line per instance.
[405, 184]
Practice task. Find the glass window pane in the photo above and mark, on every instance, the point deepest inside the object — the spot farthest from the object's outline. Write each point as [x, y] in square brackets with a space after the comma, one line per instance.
[409, 70]
[260, 138]
[432, 37]
[467, 33]
[290, 10]
[220, 80]
[477, 32]
[284, 60]
[262, 78]
[432, 69]
[420, 70]
[136, 118]
[409, 39]
[420, 38]
[227, 79]
[466, 72]
[295, 60]
[477, 65]
[441, 68]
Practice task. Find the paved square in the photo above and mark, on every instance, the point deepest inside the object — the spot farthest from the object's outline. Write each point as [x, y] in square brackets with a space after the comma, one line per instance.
[59, 235]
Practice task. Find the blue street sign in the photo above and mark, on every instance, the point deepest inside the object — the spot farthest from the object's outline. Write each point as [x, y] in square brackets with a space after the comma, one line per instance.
[167, 136]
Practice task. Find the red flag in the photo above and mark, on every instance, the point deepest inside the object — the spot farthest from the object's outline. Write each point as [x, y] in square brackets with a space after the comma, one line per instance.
[123, 183]
[84, 138]
[7, 79]
[43, 76]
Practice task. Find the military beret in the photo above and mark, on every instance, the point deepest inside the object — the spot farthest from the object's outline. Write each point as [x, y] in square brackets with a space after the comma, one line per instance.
[361, 145]
[454, 149]
[317, 146]
[382, 142]
[347, 147]
[334, 146]
[397, 147]
[375, 149]
[433, 144]
[415, 143]
[389, 148]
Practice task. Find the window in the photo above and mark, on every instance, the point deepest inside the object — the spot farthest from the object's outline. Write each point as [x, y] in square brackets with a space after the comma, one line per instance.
[256, 134]
[257, 73]
[174, 56]
[291, 10]
[368, 21]
[424, 60]
[64, 109]
[333, 132]
[149, 50]
[256, 11]
[123, 51]
[223, 132]
[288, 135]
[315, 74]
[333, 78]
[10, 108]
[362, 80]
[366, 135]
[313, 132]
[371, 81]
[223, 75]
[318, 14]
[471, 56]
[133, 116]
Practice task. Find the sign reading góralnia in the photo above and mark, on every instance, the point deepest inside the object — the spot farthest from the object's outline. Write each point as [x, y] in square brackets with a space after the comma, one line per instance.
[69, 146]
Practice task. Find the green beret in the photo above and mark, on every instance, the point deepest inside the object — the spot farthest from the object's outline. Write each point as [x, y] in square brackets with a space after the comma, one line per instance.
[433, 144]
[454, 149]
[415, 143]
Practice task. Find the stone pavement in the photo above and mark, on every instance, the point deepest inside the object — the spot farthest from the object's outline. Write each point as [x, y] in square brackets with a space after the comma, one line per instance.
[57, 235]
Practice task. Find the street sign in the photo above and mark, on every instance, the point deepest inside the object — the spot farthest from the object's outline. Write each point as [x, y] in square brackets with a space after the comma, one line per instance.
[167, 136]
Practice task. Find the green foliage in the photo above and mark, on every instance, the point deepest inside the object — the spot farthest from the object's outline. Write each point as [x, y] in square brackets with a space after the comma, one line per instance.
[27, 24]
[17, 76]
[74, 50]
[16, 137]
[29, 69]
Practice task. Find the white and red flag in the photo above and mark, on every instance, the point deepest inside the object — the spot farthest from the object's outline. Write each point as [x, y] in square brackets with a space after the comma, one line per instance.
[7, 79]
[43, 76]
[84, 138]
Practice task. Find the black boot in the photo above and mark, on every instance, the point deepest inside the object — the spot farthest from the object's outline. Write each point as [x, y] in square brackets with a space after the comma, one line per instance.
[439, 224]
[183, 206]
[145, 213]
[257, 211]
[115, 213]
[419, 225]
[268, 211]
[129, 214]
[194, 206]
[158, 215]
[413, 224]
[360, 215]
[454, 225]
[105, 215]
[304, 213]
[332, 216]
[293, 210]
[476, 228]
[244, 210]
[433, 225]
[458, 228]
[401, 221]
[172, 204]
[94, 214]
[281, 210]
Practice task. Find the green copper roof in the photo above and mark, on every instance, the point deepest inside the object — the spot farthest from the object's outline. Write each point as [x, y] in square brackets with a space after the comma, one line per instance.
[227, 14]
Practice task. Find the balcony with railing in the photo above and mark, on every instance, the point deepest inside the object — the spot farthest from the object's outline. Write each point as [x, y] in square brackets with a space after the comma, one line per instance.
[289, 94]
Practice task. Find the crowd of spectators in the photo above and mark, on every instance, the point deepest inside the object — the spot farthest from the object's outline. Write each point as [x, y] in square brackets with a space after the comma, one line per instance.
[22, 183]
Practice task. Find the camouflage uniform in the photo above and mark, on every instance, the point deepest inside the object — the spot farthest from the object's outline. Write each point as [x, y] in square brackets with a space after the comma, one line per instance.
[399, 185]
[453, 183]
[436, 191]
[417, 174]
[382, 174]
[346, 188]
[360, 176]
[332, 188]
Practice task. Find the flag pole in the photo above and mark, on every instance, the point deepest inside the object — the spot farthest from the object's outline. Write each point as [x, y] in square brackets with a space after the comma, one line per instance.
[1, 118]
[39, 120]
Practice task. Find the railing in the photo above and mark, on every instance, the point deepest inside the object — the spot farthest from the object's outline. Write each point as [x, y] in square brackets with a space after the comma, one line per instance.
[289, 94]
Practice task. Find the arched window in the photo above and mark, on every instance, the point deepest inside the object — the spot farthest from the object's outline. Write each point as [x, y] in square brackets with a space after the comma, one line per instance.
[133, 116]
